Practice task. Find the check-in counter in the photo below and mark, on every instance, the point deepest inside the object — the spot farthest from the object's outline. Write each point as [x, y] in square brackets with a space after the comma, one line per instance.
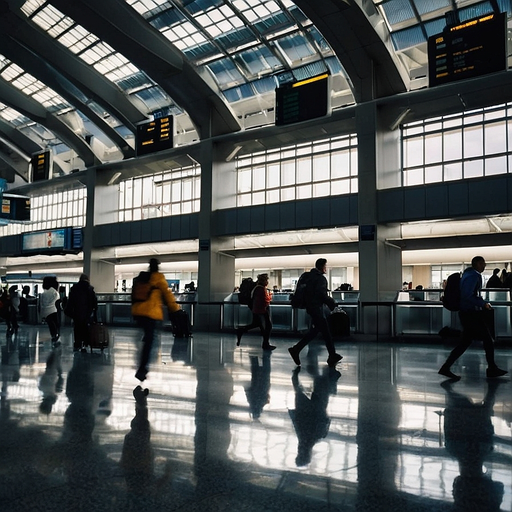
[281, 312]
[422, 312]
[116, 308]
[500, 301]
[284, 317]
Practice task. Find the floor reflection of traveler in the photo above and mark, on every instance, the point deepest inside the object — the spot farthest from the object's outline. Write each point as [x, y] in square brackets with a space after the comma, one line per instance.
[469, 437]
[309, 417]
[137, 460]
[258, 393]
[51, 381]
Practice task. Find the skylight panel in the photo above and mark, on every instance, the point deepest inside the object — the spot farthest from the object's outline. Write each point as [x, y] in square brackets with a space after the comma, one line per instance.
[26, 83]
[30, 6]
[426, 6]
[154, 99]
[146, 5]
[50, 99]
[52, 21]
[475, 10]
[295, 47]
[78, 39]
[408, 37]
[225, 73]
[398, 11]
[117, 74]
[93, 51]
[258, 60]
[34, 88]
[11, 71]
[12, 116]
[98, 52]
[184, 30]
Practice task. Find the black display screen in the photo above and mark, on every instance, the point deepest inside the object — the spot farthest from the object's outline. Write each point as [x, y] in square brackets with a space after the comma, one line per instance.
[154, 136]
[14, 207]
[303, 100]
[473, 48]
[40, 166]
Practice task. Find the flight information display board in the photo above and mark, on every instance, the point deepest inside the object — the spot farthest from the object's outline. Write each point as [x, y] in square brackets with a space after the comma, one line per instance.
[14, 207]
[301, 101]
[154, 136]
[473, 48]
[40, 166]
[53, 241]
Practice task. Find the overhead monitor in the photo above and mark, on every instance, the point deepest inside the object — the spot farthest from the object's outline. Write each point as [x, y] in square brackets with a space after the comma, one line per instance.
[304, 100]
[466, 50]
[154, 136]
[15, 207]
[40, 163]
[53, 241]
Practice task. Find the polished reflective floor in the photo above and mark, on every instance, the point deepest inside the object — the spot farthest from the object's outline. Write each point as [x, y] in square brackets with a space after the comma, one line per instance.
[232, 428]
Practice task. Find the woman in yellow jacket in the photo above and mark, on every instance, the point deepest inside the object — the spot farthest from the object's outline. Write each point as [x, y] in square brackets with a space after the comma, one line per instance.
[149, 311]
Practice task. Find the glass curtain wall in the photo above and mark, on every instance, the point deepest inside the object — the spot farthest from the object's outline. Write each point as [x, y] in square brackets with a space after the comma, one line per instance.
[175, 192]
[321, 168]
[467, 145]
[55, 210]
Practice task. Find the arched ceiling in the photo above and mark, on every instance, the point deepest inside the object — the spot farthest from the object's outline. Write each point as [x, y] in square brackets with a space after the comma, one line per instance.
[78, 76]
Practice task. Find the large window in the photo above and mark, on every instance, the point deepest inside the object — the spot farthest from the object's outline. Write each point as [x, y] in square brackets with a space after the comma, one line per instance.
[467, 145]
[175, 192]
[314, 169]
[54, 210]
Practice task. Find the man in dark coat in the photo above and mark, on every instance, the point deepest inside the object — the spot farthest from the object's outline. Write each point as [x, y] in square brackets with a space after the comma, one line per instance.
[494, 281]
[316, 296]
[81, 304]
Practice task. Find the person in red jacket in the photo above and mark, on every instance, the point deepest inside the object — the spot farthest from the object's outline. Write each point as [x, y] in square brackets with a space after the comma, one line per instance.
[261, 297]
[148, 312]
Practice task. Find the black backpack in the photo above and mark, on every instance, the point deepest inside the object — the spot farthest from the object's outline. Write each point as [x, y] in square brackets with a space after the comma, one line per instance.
[141, 289]
[451, 297]
[298, 297]
[245, 293]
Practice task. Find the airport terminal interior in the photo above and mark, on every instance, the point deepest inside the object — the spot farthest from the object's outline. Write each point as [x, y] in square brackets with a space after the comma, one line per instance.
[231, 138]
[238, 428]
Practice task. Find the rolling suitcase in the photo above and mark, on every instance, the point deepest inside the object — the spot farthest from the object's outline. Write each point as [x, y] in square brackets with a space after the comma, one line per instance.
[339, 323]
[180, 324]
[98, 336]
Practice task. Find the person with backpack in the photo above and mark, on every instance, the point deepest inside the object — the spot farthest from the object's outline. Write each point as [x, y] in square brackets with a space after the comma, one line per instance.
[260, 307]
[473, 311]
[80, 306]
[316, 295]
[148, 294]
